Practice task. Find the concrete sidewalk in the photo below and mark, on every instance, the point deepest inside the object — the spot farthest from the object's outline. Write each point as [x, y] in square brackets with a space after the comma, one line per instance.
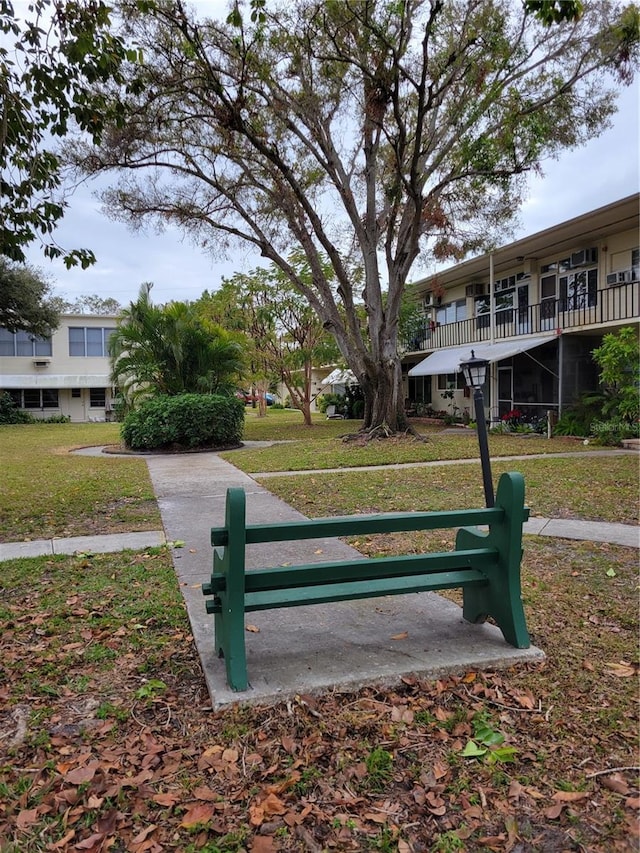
[310, 648]
[562, 528]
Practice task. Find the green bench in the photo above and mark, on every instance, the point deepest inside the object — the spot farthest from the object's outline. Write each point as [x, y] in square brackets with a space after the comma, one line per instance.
[486, 565]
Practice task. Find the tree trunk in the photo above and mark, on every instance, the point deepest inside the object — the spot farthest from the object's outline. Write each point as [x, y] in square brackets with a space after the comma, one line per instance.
[384, 401]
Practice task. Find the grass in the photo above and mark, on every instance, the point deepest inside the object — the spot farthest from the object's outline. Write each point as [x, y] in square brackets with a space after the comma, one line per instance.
[598, 488]
[49, 491]
[318, 447]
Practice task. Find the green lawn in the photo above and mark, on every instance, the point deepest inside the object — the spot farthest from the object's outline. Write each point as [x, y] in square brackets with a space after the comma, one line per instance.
[599, 488]
[320, 446]
[49, 491]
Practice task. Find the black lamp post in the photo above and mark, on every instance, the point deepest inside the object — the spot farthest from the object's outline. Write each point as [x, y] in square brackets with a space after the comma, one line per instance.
[475, 372]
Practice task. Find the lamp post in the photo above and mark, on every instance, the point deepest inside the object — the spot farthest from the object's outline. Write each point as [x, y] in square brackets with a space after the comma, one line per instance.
[475, 372]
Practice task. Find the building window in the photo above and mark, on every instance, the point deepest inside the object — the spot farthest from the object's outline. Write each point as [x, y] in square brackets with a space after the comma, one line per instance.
[579, 290]
[89, 342]
[76, 393]
[34, 398]
[452, 312]
[97, 398]
[505, 302]
[635, 264]
[451, 381]
[23, 344]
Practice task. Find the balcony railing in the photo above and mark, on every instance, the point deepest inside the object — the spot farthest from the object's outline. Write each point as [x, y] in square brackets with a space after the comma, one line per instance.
[614, 304]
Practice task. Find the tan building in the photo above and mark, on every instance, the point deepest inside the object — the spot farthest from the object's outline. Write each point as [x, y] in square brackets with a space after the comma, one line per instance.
[66, 374]
[535, 309]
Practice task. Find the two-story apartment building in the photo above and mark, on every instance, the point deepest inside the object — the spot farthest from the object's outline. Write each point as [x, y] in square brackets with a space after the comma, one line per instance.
[535, 309]
[65, 374]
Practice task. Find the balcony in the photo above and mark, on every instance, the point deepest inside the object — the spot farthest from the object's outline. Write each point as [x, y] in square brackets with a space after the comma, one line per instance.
[614, 304]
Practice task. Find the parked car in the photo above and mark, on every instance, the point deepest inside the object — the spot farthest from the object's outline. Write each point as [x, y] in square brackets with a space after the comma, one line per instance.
[251, 398]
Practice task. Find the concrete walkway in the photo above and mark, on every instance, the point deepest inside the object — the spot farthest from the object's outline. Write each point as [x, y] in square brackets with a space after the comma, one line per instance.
[311, 648]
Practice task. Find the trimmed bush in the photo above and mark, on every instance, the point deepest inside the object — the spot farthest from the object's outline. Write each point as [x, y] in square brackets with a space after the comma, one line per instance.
[10, 413]
[186, 421]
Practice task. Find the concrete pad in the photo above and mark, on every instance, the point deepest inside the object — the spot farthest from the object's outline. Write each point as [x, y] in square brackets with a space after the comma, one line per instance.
[318, 647]
[350, 644]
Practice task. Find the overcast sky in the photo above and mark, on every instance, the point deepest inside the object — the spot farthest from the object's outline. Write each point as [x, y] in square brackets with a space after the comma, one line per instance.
[603, 171]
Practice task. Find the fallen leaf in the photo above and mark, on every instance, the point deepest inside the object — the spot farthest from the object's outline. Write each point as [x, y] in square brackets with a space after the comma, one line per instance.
[169, 799]
[256, 815]
[198, 813]
[253, 629]
[554, 812]
[93, 842]
[616, 783]
[263, 844]
[570, 796]
[27, 817]
[81, 775]
[401, 636]
[273, 805]
[622, 669]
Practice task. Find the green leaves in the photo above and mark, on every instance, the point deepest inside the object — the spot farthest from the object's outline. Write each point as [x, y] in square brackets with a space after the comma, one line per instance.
[25, 302]
[488, 744]
[48, 77]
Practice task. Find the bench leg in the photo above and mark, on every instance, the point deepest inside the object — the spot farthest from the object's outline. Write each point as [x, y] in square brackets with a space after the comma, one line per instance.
[230, 645]
[501, 598]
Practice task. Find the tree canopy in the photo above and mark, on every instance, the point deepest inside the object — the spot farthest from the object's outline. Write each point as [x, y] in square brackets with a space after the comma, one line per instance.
[284, 336]
[26, 303]
[50, 64]
[90, 304]
[364, 133]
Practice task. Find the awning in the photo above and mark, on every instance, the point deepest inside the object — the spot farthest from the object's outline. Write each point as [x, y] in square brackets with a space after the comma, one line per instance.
[47, 380]
[340, 377]
[448, 360]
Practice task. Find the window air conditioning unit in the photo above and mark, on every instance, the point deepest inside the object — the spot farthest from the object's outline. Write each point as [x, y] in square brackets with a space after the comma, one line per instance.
[584, 257]
[42, 362]
[620, 277]
[475, 289]
[428, 300]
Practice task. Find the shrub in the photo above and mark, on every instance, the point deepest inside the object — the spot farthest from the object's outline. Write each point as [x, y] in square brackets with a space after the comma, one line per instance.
[338, 400]
[53, 419]
[10, 413]
[185, 421]
[570, 423]
[611, 433]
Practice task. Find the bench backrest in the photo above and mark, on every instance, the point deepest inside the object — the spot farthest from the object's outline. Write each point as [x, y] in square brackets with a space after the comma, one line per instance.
[509, 507]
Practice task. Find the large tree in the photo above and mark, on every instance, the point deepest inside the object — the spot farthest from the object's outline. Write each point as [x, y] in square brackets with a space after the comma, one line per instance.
[50, 61]
[285, 337]
[26, 303]
[362, 131]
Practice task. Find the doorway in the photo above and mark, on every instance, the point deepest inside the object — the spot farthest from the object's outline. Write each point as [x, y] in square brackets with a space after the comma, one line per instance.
[505, 390]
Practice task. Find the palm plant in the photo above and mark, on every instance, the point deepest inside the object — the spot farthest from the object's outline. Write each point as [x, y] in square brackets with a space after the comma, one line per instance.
[171, 350]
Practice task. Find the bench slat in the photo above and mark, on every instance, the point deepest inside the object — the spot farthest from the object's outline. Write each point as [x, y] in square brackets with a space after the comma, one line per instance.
[393, 522]
[361, 570]
[351, 590]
